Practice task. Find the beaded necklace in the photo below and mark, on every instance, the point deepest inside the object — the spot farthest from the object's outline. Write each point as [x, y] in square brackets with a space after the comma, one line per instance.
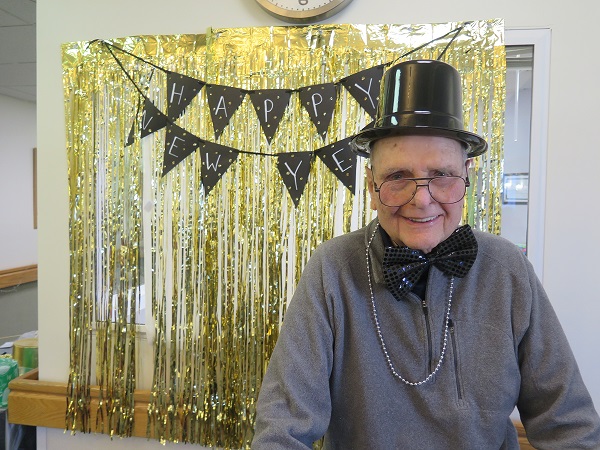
[380, 334]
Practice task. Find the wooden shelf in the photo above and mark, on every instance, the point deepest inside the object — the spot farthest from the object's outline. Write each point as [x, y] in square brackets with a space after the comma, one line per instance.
[43, 404]
[19, 275]
[523, 441]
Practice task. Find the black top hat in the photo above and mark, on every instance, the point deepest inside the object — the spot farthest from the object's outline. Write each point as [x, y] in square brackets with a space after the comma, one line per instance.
[423, 98]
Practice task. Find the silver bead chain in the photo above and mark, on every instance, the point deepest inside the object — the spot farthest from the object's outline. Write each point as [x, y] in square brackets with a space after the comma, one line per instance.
[380, 335]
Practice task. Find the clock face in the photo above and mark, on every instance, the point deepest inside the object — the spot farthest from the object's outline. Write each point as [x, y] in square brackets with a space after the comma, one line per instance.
[302, 11]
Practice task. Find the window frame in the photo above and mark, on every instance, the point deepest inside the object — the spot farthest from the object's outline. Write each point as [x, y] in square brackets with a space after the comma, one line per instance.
[540, 39]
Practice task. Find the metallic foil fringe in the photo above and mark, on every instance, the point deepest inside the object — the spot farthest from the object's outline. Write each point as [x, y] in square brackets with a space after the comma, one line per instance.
[218, 270]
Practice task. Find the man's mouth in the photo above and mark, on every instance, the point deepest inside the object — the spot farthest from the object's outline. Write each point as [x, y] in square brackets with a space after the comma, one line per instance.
[423, 220]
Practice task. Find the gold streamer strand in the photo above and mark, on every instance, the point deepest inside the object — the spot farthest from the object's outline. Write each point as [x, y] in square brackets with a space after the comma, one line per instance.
[78, 400]
[92, 222]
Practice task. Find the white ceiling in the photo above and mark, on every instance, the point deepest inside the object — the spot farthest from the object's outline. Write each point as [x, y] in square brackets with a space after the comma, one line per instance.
[17, 49]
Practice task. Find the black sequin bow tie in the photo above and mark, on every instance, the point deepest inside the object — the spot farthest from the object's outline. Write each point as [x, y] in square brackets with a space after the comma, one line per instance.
[403, 266]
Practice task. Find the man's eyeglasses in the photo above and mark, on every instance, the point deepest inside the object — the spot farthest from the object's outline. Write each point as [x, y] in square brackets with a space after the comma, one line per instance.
[445, 189]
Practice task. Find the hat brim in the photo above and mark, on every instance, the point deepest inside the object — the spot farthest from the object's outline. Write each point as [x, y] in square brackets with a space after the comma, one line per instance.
[361, 142]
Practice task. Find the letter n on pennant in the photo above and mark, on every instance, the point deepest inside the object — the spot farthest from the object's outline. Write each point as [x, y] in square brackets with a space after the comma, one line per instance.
[152, 119]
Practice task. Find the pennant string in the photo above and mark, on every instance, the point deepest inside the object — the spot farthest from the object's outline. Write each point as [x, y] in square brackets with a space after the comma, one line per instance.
[169, 121]
[118, 61]
[321, 129]
[108, 44]
[456, 30]
[452, 40]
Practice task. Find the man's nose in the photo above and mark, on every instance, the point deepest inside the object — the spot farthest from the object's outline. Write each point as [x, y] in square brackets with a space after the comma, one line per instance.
[422, 195]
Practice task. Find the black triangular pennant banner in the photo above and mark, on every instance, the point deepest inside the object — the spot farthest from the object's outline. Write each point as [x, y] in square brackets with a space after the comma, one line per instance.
[294, 169]
[216, 159]
[179, 144]
[364, 87]
[270, 104]
[224, 102]
[341, 160]
[152, 119]
[132, 131]
[181, 90]
[319, 101]
[131, 136]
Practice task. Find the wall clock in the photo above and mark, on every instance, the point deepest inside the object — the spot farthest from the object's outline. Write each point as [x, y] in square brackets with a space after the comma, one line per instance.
[303, 11]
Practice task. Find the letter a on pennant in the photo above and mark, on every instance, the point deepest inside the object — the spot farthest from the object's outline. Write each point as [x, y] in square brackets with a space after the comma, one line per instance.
[223, 102]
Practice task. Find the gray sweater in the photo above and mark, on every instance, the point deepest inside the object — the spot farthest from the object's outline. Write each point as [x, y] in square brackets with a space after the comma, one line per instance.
[505, 348]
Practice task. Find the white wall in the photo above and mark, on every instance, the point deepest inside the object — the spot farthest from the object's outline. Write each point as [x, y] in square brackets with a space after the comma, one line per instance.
[18, 238]
[571, 237]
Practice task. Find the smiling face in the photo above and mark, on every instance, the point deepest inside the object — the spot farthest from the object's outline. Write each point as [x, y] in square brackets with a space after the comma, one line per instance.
[422, 223]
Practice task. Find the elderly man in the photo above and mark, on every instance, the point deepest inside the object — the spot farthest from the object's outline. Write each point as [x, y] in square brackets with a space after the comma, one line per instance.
[415, 332]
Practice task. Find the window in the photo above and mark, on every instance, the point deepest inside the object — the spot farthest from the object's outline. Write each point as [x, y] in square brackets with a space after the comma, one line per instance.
[525, 140]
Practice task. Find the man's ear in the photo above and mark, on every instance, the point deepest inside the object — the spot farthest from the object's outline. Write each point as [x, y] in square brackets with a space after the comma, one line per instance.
[469, 164]
[372, 192]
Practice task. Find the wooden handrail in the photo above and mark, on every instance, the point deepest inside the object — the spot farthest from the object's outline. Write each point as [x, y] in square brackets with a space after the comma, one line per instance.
[18, 275]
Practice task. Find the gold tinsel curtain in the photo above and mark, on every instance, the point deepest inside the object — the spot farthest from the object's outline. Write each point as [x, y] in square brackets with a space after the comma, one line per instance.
[216, 271]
